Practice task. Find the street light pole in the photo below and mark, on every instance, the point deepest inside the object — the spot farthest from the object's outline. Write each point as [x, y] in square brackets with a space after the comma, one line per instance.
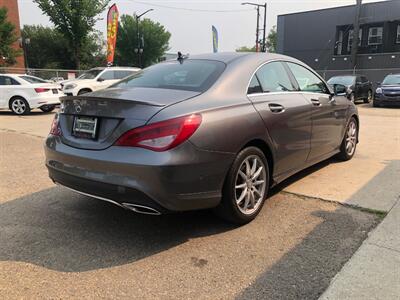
[139, 49]
[263, 48]
[258, 29]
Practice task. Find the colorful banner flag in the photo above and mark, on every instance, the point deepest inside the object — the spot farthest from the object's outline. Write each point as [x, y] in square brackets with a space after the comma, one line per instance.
[112, 29]
[215, 38]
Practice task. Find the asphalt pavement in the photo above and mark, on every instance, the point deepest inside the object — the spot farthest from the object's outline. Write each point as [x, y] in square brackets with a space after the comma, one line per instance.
[58, 244]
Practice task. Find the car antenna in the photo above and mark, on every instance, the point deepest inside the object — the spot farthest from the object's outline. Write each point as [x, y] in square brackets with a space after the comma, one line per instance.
[181, 57]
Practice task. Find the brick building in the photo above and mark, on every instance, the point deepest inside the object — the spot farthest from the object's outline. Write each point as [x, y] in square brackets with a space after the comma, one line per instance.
[13, 16]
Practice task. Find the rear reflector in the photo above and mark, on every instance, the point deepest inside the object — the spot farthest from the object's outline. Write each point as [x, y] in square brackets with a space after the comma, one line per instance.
[41, 90]
[161, 136]
[55, 127]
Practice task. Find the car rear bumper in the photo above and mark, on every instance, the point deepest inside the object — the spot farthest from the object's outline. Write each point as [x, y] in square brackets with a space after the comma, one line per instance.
[45, 100]
[389, 101]
[184, 178]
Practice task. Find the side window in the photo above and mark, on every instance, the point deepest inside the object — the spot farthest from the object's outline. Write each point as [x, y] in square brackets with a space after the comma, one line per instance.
[122, 74]
[274, 78]
[107, 75]
[307, 80]
[254, 86]
[4, 80]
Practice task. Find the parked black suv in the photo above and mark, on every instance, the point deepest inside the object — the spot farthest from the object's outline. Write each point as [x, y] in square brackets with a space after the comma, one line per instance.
[358, 86]
[388, 92]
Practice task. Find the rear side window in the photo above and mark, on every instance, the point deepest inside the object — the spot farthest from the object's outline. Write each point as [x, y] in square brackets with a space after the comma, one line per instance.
[5, 80]
[191, 75]
[307, 80]
[274, 78]
[254, 86]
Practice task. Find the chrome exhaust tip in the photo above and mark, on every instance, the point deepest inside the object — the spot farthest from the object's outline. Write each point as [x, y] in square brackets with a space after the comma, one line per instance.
[141, 209]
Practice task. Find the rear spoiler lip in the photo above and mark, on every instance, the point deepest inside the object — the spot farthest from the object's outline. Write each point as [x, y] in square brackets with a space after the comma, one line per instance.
[82, 97]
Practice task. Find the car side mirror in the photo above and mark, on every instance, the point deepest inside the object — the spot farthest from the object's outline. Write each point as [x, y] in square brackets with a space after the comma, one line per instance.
[378, 83]
[339, 90]
[100, 79]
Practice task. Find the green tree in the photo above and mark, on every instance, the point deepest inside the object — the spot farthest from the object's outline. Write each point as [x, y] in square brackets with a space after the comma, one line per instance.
[8, 37]
[57, 54]
[246, 49]
[75, 20]
[155, 37]
[272, 40]
[48, 48]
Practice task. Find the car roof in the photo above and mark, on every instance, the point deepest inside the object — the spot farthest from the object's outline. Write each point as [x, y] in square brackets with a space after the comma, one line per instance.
[345, 75]
[229, 57]
[115, 68]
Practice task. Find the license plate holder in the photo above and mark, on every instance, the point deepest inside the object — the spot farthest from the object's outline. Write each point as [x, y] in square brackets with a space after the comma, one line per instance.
[85, 127]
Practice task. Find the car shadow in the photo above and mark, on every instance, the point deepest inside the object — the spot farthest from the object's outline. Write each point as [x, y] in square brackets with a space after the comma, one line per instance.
[64, 231]
[304, 173]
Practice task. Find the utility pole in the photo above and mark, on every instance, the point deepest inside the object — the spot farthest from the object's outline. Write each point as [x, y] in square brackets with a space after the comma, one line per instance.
[356, 31]
[264, 44]
[258, 29]
[264, 47]
[139, 49]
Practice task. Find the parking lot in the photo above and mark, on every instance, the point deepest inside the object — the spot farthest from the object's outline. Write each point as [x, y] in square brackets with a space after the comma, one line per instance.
[56, 243]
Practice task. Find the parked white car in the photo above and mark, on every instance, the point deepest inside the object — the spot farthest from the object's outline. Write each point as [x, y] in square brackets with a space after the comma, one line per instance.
[96, 79]
[21, 93]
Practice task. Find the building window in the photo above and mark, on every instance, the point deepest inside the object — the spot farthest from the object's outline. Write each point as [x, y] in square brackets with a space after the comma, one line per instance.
[375, 36]
[339, 43]
[398, 34]
[350, 40]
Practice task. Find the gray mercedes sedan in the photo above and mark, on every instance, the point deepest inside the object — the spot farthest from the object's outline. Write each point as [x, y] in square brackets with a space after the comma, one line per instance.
[210, 131]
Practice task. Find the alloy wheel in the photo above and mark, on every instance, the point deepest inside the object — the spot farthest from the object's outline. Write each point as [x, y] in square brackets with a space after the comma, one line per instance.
[250, 184]
[369, 96]
[18, 106]
[351, 138]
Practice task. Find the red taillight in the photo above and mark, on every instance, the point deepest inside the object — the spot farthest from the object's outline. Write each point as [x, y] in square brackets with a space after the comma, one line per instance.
[55, 127]
[41, 90]
[163, 135]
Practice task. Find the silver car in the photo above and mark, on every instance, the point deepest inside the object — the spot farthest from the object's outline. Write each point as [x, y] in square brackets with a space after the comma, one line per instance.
[211, 131]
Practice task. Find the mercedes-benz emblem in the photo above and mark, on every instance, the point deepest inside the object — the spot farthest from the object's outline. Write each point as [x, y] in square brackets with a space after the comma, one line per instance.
[78, 108]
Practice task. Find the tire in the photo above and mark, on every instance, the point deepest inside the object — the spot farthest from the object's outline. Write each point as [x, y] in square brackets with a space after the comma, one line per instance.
[84, 91]
[240, 205]
[47, 108]
[352, 98]
[369, 97]
[349, 143]
[19, 106]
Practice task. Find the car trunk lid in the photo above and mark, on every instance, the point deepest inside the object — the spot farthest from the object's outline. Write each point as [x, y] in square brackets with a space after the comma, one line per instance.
[114, 112]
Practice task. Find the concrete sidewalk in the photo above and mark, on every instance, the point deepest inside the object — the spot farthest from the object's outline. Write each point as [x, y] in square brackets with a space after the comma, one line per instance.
[374, 270]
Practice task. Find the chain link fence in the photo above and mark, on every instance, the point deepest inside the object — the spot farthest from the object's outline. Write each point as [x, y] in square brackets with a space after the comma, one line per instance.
[47, 74]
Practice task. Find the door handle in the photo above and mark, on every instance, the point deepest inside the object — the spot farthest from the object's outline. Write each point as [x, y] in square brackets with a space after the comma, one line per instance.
[315, 102]
[276, 108]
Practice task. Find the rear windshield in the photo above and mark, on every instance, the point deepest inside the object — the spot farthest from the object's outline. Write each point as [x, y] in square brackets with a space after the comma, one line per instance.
[344, 80]
[191, 75]
[392, 80]
[32, 79]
